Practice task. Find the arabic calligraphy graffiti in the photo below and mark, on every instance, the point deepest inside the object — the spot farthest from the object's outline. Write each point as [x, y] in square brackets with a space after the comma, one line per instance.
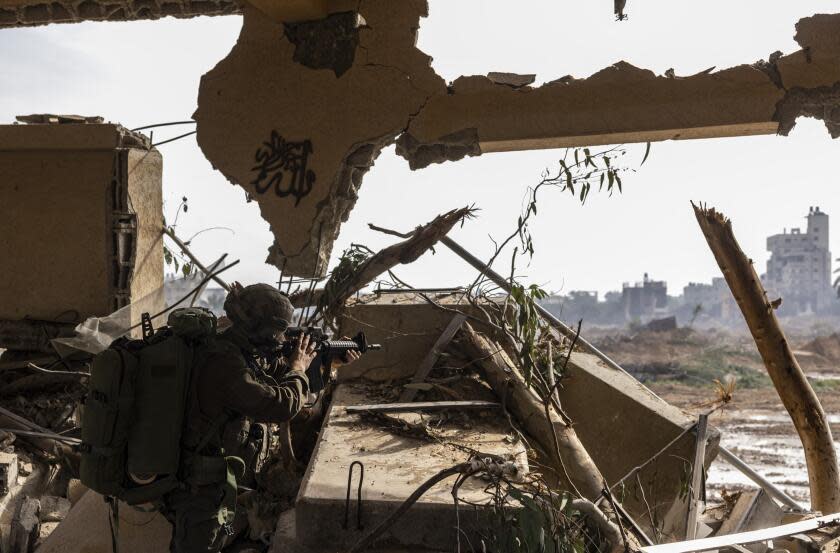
[282, 165]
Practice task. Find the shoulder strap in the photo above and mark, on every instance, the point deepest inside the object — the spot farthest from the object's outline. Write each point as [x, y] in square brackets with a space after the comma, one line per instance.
[217, 424]
[114, 522]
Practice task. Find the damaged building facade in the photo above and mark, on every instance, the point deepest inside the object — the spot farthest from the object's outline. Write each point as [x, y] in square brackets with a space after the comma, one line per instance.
[296, 115]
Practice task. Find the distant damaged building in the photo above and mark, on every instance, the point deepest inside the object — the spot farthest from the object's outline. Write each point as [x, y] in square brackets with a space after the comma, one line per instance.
[799, 268]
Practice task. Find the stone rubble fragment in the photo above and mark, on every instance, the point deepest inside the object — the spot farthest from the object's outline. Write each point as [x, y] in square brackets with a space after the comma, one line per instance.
[53, 508]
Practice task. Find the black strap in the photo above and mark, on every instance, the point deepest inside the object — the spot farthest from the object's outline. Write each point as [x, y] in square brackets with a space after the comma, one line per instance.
[217, 424]
[114, 521]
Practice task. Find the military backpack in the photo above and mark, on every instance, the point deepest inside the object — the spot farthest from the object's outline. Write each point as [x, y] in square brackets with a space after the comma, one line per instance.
[133, 414]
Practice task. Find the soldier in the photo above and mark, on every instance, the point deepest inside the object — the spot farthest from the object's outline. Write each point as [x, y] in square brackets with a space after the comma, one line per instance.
[230, 384]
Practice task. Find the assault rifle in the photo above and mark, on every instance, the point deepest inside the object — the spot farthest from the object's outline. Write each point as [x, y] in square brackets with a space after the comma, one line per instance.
[326, 350]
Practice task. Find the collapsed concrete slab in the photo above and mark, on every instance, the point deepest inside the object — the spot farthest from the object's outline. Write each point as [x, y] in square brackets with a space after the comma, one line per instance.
[621, 423]
[297, 113]
[393, 467]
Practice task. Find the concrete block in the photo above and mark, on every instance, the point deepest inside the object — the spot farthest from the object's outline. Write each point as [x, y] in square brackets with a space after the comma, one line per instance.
[86, 528]
[818, 63]
[8, 472]
[75, 245]
[29, 484]
[26, 526]
[407, 326]
[53, 508]
[75, 490]
[394, 466]
[622, 424]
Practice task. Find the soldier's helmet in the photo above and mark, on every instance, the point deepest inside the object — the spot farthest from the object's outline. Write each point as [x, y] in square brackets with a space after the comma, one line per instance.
[261, 310]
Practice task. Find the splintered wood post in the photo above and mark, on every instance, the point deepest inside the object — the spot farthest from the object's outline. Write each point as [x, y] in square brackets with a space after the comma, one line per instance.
[790, 382]
[570, 458]
[552, 380]
[428, 362]
[695, 494]
[339, 288]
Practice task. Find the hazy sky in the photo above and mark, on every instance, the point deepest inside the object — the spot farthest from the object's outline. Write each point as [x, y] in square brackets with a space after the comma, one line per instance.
[147, 72]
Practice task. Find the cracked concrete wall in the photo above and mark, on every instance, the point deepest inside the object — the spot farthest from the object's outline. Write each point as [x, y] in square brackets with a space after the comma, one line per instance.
[83, 237]
[297, 114]
[300, 139]
[811, 76]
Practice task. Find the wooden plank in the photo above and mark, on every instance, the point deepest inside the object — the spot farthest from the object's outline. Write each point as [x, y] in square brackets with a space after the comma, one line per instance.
[740, 513]
[422, 406]
[428, 362]
[755, 536]
[695, 493]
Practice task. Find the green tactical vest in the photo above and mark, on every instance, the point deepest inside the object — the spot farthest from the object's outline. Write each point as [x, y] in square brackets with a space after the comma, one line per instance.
[133, 414]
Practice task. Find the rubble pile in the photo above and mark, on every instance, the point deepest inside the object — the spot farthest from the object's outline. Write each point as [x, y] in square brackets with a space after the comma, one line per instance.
[35, 471]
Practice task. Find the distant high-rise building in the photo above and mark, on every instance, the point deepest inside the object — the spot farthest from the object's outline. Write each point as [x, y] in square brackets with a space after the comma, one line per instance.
[799, 268]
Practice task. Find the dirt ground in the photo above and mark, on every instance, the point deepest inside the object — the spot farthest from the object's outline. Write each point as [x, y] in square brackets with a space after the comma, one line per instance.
[756, 427]
[682, 365]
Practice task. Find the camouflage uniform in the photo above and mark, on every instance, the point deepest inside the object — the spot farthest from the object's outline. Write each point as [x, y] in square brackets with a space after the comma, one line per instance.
[224, 390]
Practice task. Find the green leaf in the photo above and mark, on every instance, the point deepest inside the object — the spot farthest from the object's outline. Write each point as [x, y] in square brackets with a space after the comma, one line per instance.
[647, 152]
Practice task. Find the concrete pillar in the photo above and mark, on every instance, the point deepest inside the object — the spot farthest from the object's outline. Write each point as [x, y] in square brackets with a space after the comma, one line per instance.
[80, 234]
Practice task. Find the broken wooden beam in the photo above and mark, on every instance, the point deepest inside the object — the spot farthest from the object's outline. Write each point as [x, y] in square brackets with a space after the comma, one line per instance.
[431, 358]
[569, 457]
[796, 393]
[197, 262]
[344, 283]
[697, 491]
[422, 406]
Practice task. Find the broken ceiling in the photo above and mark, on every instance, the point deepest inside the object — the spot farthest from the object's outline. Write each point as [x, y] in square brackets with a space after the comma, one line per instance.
[301, 107]
[297, 113]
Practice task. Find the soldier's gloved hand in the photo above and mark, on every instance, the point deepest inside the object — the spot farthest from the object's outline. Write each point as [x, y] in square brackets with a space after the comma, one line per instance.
[348, 357]
[303, 354]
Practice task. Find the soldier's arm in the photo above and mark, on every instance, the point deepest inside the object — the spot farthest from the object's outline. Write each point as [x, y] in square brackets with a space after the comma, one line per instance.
[239, 391]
